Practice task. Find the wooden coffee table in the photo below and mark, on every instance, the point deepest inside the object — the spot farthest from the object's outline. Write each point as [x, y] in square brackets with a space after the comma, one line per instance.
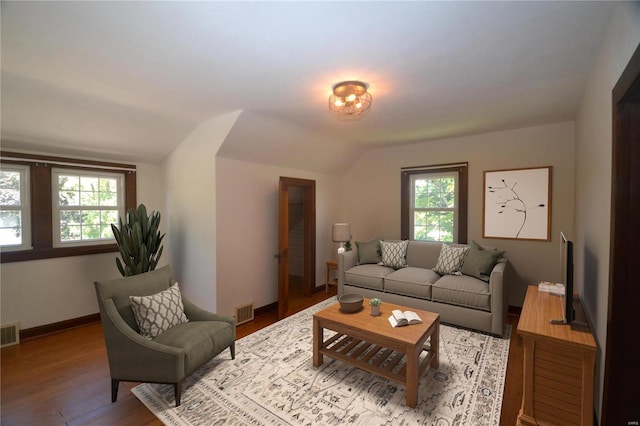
[371, 344]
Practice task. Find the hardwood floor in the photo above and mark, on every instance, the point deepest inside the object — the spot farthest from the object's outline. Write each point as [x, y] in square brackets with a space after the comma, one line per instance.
[63, 378]
[512, 398]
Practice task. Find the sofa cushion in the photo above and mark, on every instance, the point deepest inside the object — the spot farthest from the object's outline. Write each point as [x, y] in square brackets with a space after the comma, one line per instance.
[369, 252]
[479, 262]
[367, 276]
[394, 254]
[463, 291]
[409, 281]
[450, 259]
[159, 312]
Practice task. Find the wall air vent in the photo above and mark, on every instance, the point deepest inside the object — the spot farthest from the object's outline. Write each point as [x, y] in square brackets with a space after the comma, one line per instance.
[244, 313]
[9, 335]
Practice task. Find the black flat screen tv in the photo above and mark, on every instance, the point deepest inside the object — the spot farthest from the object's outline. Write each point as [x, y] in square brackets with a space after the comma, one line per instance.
[566, 275]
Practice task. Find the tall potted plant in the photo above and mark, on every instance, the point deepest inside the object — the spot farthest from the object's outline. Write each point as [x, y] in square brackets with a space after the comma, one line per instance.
[139, 241]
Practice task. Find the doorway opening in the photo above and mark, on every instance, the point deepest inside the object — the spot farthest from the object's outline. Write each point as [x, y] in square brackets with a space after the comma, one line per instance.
[296, 243]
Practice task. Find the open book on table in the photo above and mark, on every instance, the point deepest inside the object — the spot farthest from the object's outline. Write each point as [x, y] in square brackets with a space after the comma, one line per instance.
[399, 318]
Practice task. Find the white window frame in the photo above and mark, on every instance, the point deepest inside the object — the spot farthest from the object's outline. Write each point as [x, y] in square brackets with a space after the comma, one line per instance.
[57, 208]
[24, 207]
[413, 209]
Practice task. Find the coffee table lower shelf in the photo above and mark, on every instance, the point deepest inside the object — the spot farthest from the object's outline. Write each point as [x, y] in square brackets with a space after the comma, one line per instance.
[373, 358]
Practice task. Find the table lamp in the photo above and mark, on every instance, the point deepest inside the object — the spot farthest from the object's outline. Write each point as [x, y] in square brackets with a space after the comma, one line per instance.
[341, 234]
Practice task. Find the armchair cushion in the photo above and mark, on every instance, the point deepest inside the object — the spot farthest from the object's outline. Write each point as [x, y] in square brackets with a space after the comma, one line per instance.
[198, 339]
[159, 312]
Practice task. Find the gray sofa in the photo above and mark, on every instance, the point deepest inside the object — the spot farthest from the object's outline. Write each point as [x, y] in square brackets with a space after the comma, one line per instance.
[460, 300]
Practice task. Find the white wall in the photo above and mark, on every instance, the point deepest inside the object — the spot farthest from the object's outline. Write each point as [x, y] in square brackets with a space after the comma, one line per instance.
[593, 175]
[247, 230]
[47, 291]
[371, 191]
[190, 185]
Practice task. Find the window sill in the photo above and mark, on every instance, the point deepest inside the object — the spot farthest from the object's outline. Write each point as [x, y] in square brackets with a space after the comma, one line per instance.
[50, 253]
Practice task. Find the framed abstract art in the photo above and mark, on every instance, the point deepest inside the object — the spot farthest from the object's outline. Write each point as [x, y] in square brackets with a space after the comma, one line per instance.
[517, 204]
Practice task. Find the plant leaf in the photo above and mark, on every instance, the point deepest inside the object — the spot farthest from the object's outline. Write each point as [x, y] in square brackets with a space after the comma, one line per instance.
[139, 241]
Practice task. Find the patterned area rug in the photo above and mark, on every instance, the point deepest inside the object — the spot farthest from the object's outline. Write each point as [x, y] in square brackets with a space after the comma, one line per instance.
[272, 381]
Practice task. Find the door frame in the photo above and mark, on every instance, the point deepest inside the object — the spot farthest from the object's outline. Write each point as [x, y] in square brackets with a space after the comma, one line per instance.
[309, 215]
[621, 369]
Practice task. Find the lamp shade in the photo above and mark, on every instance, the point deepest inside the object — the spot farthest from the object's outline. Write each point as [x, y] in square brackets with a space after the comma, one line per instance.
[341, 232]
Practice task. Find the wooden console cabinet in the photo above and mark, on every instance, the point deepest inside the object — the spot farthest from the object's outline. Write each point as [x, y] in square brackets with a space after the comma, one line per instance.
[558, 365]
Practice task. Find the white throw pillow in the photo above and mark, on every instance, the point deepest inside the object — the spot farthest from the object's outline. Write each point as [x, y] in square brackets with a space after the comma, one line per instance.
[450, 259]
[159, 312]
[394, 255]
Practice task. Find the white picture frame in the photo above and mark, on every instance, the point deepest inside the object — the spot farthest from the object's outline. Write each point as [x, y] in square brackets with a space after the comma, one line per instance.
[517, 204]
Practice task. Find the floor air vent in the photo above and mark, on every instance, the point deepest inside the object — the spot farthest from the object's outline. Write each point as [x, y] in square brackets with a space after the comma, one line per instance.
[244, 313]
[9, 335]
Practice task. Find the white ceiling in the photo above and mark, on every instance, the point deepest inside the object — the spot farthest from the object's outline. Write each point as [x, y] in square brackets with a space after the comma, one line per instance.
[130, 80]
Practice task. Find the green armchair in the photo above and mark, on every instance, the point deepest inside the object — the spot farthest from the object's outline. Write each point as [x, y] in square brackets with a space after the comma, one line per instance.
[171, 356]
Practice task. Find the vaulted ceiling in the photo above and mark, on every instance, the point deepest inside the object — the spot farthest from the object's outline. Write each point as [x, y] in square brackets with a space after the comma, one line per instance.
[131, 80]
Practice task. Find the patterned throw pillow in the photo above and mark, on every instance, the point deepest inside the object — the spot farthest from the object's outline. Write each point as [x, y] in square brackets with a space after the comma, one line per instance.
[450, 259]
[394, 255]
[159, 312]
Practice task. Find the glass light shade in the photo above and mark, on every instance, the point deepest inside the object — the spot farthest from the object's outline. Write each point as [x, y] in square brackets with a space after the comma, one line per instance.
[350, 100]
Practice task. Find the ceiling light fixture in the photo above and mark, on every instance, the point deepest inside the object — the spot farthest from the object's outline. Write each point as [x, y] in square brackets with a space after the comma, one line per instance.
[350, 100]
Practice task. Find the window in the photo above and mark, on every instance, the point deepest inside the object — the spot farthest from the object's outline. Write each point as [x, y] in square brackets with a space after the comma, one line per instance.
[434, 206]
[85, 205]
[434, 203]
[66, 205]
[15, 217]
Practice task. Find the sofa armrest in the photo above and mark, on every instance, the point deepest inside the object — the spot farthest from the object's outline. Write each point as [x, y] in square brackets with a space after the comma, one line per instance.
[346, 261]
[499, 299]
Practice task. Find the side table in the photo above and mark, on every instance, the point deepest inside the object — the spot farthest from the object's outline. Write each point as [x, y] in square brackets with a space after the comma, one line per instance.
[331, 265]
